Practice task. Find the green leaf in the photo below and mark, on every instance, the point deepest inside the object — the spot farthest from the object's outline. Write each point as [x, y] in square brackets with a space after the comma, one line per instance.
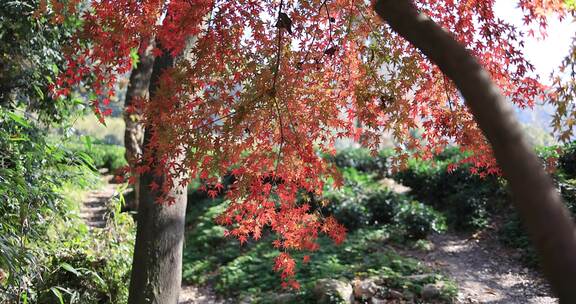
[58, 294]
[88, 143]
[87, 160]
[19, 119]
[98, 278]
[134, 57]
[54, 69]
[69, 268]
[38, 92]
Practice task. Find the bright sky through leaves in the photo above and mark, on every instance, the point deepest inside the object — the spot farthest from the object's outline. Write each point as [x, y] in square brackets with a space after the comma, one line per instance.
[546, 54]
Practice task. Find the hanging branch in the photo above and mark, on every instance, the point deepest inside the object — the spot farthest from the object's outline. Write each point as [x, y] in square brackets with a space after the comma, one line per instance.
[283, 22]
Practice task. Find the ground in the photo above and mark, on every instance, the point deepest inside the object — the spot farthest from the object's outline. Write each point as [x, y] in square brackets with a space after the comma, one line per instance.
[484, 271]
[196, 295]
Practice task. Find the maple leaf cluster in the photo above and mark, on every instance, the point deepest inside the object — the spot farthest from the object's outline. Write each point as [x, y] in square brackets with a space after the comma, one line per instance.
[260, 89]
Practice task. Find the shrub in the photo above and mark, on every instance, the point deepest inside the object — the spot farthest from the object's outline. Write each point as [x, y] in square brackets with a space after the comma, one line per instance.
[31, 172]
[243, 272]
[349, 211]
[567, 161]
[512, 234]
[419, 220]
[100, 155]
[87, 266]
[451, 154]
[466, 198]
[361, 160]
[423, 179]
[383, 205]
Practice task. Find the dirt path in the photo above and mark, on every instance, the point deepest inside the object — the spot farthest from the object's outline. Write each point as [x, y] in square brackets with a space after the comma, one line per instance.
[93, 212]
[94, 205]
[196, 295]
[485, 272]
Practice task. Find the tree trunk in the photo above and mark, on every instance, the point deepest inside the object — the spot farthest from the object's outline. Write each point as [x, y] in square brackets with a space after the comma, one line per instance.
[134, 132]
[157, 264]
[545, 217]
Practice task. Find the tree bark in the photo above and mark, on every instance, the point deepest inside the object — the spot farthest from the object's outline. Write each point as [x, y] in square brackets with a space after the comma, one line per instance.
[538, 203]
[157, 265]
[134, 132]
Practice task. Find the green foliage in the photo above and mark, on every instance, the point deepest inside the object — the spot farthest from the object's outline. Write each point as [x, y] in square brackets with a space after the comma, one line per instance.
[99, 155]
[239, 271]
[47, 255]
[363, 161]
[38, 233]
[512, 234]
[419, 220]
[384, 205]
[409, 218]
[567, 161]
[111, 134]
[423, 177]
[31, 171]
[466, 198]
[31, 58]
[88, 266]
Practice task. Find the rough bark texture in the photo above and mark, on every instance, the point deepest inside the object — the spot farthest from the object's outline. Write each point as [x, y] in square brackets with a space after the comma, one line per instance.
[539, 204]
[157, 264]
[134, 132]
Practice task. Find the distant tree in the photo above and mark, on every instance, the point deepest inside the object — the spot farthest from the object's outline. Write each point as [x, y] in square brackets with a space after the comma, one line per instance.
[137, 92]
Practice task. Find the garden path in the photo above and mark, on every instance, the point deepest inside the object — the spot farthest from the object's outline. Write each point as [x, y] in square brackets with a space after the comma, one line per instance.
[94, 212]
[94, 205]
[198, 295]
[485, 271]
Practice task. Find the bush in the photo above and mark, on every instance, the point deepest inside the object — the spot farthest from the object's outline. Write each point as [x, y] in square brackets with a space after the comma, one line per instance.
[87, 266]
[466, 198]
[100, 155]
[351, 212]
[383, 205]
[31, 172]
[423, 179]
[512, 234]
[379, 206]
[419, 220]
[361, 160]
[238, 272]
[567, 161]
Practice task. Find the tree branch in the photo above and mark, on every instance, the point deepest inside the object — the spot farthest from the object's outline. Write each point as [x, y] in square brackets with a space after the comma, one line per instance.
[547, 220]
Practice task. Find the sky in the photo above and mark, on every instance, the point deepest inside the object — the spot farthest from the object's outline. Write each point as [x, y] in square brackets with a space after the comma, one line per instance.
[547, 54]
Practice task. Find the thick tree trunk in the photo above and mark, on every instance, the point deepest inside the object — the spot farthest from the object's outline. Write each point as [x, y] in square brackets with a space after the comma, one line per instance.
[157, 264]
[539, 204]
[134, 132]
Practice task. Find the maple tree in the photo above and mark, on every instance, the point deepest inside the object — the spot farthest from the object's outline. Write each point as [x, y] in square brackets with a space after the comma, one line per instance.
[273, 84]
